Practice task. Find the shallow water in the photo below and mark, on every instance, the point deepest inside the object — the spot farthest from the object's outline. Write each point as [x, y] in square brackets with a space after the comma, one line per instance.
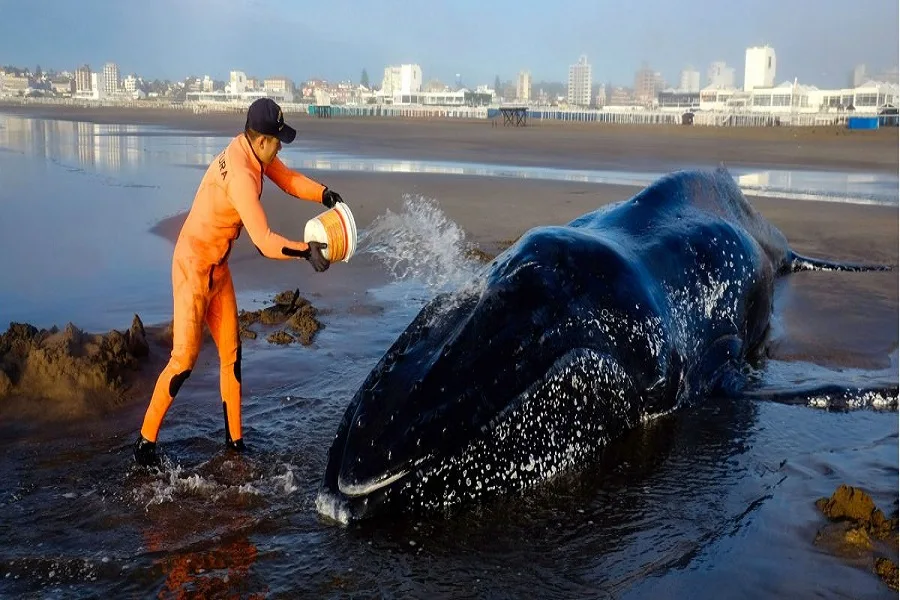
[716, 500]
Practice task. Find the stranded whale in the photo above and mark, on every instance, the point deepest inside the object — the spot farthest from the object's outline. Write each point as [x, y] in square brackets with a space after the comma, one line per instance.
[572, 336]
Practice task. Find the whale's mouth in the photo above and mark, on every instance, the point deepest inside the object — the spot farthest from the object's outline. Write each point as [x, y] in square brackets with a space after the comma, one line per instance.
[352, 487]
[355, 489]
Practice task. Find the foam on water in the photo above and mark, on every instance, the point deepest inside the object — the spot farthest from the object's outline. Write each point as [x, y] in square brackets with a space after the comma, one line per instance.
[175, 483]
[330, 506]
[826, 387]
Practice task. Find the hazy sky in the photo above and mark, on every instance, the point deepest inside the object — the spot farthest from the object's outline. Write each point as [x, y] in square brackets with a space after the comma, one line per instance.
[818, 41]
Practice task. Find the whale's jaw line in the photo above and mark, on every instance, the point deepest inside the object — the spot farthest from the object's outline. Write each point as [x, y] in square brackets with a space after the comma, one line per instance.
[356, 490]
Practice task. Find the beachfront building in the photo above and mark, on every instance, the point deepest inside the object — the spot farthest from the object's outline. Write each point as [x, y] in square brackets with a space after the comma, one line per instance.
[794, 98]
[446, 98]
[523, 87]
[580, 82]
[208, 84]
[689, 80]
[678, 100]
[110, 79]
[869, 98]
[717, 98]
[243, 98]
[720, 75]
[759, 68]
[400, 81]
[786, 97]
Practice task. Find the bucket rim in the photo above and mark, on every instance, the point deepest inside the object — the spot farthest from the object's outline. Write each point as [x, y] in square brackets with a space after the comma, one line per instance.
[347, 216]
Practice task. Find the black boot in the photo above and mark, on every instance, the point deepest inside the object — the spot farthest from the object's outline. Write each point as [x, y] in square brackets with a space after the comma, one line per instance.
[145, 452]
[235, 445]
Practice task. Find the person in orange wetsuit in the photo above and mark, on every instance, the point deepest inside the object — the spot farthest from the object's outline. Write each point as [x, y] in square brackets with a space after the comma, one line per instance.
[228, 199]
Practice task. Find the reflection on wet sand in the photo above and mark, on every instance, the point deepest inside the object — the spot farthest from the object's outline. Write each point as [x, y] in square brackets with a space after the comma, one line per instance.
[861, 188]
[108, 148]
[114, 147]
[213, 571]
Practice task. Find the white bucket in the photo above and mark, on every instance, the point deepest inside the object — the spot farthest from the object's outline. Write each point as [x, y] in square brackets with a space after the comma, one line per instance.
[335, 227]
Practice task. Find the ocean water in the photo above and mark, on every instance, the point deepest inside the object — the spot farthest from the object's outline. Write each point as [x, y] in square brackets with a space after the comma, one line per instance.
[710, 502]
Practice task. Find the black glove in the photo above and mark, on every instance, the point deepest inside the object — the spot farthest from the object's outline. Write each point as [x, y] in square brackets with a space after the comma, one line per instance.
[330, 198]
[315, 258]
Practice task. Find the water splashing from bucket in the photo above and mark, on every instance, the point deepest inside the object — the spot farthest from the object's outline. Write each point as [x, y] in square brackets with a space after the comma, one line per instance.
[419, 243]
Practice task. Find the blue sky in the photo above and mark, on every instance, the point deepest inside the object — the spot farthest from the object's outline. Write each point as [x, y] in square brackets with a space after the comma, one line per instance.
[818, 41]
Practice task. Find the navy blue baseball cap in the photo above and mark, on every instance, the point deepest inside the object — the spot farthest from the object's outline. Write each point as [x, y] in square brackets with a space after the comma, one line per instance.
[265, 116]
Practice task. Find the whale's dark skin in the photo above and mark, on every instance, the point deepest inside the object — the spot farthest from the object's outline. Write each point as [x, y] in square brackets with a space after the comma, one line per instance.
[572, 336]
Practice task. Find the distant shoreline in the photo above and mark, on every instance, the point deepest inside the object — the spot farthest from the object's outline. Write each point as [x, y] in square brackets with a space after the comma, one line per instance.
[549, 143]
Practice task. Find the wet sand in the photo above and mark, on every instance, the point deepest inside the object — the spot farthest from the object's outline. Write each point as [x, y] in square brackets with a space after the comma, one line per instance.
[549, 143]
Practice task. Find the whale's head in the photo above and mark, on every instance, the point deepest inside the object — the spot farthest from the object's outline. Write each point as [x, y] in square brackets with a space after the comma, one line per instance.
[462, 402]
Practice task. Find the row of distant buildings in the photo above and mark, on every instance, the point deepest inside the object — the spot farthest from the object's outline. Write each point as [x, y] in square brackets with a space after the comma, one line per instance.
[760, 91]
[405, 85]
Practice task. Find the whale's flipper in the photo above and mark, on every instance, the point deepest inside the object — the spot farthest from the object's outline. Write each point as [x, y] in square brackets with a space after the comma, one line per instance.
[804, 263]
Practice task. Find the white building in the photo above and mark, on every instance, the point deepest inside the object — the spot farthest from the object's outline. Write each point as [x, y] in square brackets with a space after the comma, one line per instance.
[110, 79]
[208, 84]
[759, 68]
[237, 83]
[870, 97]
[690, 80]
[98, 88]
[241, 98]
[280, 85]
[523, 86]
[401, 80]
[579, 89]
[715, 98]
[131, 84]
[720, 75]
[793, 97]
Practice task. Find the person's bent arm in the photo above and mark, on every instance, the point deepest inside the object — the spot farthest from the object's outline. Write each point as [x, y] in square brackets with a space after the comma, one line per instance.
[294, 183]
[270, 244]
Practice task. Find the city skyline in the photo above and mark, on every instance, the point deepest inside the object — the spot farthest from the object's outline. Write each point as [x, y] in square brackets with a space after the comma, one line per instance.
[273, 37]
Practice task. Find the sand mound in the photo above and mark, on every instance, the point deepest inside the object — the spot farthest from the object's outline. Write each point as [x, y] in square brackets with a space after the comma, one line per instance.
[69, 365]
[53, 373]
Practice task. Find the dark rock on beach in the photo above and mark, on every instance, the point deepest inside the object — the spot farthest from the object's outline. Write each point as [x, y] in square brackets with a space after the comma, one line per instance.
[290, 310]
[859, 532]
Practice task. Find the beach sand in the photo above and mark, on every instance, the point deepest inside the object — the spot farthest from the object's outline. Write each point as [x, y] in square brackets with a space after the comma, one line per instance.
[838, 319]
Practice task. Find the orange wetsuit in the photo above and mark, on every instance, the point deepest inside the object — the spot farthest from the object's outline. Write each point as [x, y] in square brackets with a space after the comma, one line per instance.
[227, 200]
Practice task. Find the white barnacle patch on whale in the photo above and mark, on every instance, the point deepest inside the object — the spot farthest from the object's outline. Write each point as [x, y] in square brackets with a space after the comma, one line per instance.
[547, 432]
